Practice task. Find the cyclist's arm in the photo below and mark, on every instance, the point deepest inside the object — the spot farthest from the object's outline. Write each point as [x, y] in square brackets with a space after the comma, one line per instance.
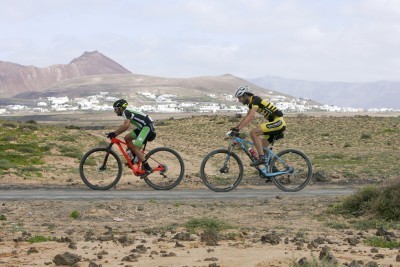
[123, 127]
[249, 117]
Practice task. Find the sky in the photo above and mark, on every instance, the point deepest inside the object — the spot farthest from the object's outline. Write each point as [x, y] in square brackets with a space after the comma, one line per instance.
[314, 40]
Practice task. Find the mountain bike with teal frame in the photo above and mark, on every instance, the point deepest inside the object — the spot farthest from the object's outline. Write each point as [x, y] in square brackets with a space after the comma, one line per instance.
[222, 170]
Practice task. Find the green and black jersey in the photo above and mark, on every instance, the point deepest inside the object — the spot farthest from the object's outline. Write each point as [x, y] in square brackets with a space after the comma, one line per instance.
[139, 119]
[265, 108]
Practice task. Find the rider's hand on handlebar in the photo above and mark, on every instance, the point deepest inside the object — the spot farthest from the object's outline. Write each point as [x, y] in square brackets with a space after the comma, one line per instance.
[111, 135]
[234, 130]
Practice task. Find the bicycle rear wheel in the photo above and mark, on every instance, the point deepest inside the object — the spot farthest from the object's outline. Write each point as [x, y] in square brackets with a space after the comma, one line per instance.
[100, 169]
[221, 170]
[296, 168]
[168, 168]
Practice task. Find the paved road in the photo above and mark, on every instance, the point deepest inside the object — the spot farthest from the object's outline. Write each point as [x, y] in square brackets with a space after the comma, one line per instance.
[175, 194]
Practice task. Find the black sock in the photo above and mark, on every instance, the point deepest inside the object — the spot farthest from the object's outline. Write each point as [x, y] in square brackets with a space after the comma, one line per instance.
[146, 165]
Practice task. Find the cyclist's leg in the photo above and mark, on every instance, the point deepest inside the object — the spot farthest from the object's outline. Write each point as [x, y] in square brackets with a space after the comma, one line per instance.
[255, 136]
[265, 143]
[135, 140]
[129, 139]
[272, 128]
[142, 137]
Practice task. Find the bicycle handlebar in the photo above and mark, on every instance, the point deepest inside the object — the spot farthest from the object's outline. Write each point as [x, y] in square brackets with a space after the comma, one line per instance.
[231, 134]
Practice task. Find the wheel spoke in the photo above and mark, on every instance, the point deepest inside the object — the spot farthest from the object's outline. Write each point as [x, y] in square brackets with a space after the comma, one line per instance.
[168, 168]
[296, 170]
[100, 169]
[220, 171]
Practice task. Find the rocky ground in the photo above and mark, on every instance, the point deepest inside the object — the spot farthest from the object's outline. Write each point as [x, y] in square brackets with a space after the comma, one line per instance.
[263, 232]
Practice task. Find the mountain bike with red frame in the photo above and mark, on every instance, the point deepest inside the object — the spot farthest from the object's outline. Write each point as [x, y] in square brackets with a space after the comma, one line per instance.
[101, 168]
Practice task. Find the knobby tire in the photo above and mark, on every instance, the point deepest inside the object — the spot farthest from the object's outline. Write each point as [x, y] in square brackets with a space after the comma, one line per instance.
[98, 171]
[175, 168]
[301, 175]
[216, 176]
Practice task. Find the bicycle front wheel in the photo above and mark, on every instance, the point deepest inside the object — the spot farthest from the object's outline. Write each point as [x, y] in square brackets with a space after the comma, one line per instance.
[221, 170]
[168, 168]
[296, 170]
[100, 169]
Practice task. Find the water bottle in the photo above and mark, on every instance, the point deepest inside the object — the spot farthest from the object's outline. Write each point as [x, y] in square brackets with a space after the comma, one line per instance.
[130, 155]
[253, 153]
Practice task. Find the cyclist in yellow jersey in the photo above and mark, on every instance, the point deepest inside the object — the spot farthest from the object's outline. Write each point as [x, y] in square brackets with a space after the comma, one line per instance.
[275, 123]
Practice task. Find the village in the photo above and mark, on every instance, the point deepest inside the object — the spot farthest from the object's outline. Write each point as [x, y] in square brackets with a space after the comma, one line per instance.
[167, 103]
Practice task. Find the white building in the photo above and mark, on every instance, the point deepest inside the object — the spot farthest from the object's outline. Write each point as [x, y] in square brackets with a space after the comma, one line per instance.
[42, 104]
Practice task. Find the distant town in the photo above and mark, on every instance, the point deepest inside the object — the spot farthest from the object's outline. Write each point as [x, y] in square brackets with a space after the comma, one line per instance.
[166, 103]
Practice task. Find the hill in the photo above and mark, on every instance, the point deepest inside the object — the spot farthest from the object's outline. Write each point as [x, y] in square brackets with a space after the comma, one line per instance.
[380, 94]
[16, 79]
[93, 73]
[131, 85]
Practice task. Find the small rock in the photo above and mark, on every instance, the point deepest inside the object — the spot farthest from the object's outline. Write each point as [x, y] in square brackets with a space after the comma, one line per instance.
[320, 176]
[303, 262]
[327, 255]
[66, 259]
[130, 258]
[141, 249]
[32, 250]
[372, 264]
[355, 263]
[171, 254]
[374, 250]
[72, 245]
[272, 238]
[183, 237]
[353, 241]
[178, 245]
[210, 237]
[378, 256]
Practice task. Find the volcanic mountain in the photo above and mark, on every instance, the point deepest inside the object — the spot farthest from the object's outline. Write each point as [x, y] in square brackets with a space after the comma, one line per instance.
[16, 79]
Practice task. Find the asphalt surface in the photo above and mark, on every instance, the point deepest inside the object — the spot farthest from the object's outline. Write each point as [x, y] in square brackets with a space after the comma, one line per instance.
[174, 194]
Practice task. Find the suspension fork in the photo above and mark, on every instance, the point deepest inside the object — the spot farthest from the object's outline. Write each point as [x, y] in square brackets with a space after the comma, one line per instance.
[225, 167]
[103, 167]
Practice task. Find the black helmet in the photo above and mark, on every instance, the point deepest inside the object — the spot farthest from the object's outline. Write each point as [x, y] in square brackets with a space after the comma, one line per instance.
[121, 103]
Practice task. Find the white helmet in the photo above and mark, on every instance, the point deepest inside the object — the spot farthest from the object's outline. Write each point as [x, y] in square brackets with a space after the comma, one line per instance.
[242, 90]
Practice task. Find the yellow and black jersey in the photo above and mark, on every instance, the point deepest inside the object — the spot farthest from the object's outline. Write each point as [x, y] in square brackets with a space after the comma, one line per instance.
[265, 108]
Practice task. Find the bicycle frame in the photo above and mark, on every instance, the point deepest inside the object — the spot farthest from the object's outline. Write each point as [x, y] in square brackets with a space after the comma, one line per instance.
[236, 140]
[136, 168]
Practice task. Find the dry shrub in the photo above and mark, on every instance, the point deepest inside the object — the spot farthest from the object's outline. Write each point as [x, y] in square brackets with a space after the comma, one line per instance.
[388, 203]
[382, 202]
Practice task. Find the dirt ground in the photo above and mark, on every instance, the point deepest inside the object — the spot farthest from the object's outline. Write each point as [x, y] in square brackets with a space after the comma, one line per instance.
[263, 232]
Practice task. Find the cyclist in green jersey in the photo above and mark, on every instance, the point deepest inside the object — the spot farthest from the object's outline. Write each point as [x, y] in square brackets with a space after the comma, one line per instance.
[275, 123]
[144, 130]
